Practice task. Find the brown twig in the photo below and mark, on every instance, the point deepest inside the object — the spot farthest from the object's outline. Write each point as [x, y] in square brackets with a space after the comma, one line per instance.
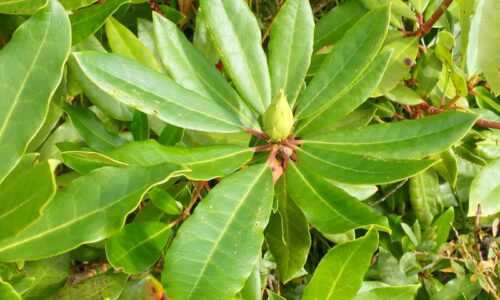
[427, 26]
[258, 134]
[155, 7]
[488, 124]
[187, 212]
[477, 228]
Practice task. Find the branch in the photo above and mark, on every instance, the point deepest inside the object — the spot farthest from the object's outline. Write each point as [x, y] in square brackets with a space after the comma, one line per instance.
[155, 7]
[480, 122]
[187, 212]
[427, 26]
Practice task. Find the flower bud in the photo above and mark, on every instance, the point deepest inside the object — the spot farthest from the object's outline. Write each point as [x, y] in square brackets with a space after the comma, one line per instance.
[278, 118]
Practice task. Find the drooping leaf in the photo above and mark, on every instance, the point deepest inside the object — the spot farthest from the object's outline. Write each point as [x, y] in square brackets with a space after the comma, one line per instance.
[290, 48]
[137, 246]
[105, 286]
[191, 70]
[92, 130]
[380, 291]
[347, 100]
[288, 235]
[402, 140]
[424, 196]
[23, 196]
[355, 168]
[236, 36]
[340, 273]
[204, 162]
[443, 226]
[137, 86]
[216, 249]
[353, 54]
[485, 191]
[327, 207]
[31, 66]
[123, 42]
[91, 208]
[50, 275]
[86, 21]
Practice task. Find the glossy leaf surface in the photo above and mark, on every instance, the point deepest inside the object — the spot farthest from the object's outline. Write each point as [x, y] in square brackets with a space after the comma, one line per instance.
[290, 48]
[137, 246]
[236, 36]
[327, 207]
[28, 82]
[137, 86]
[216, 249]
[485, 191]
[79, 214]
[340, 273]
[191, 70]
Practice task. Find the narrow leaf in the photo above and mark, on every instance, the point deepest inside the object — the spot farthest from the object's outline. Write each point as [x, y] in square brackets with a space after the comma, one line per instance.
[340, 273]
[92, 130]
[329, 208]
[424, 196]
[351, 57]
[204, 162]
[22, 7]
[140, 126]
[290, 48]
[137, 246]
[288, 235]
[191, 70]
[411, 139]
[123, 42]
[24, 196]
[91, 208]
[86, 21]
[31, 66]
[236, 36]
[104, 286]
[135, 85]
[216, 249]
[376, 291]
[357, 168]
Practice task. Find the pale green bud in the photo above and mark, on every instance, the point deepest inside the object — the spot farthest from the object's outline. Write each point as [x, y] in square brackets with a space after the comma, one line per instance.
[278, 118]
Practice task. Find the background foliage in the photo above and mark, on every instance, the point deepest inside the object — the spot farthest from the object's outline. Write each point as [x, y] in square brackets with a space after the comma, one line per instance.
[230, 149]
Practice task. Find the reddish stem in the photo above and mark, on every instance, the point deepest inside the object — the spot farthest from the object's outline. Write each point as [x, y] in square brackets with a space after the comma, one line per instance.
[187, 212]
[258, 134]
[427, 26]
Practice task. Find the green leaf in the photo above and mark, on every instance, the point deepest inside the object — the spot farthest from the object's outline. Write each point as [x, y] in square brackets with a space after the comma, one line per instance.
[343, 67]
[31, 66]
[347, 100]
[288, 235]
[327, 207]
[216, 249]
[23, 196]
[428, 72]
[92, 130]
[76, 4]
[140, 126]
[7, 292]
[487, 51]
[191, 70]
[252, 288]
[448, 166]
[86, 21]
[424, 196]
[105, 286]
[123, 42]
[380, 291]
[50, 275]
[335, 24]
[457, 288]
[290, 48]
[443, 226]
[411, 139]
[405, 51]
[91, 208]
[85, 161]
[419, 5]
[164, 201]
[204, 162]
[237, 37]
[357, 168]
[485, 191]
[137, 246]
[403, 95]
[340, 273]
[22, 7]
[135, 85]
